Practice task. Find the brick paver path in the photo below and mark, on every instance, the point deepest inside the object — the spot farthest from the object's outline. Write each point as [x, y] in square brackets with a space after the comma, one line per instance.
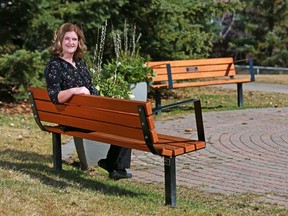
[247, 152]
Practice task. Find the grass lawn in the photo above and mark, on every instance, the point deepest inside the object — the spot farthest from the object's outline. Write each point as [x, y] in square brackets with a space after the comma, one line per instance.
[218, 99]
[29, 185]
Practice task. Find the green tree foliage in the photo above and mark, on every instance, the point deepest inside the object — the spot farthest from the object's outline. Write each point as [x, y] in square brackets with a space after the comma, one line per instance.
[176, 29]
[27, 28]
[261, 30]
[20, 69]
[89, 15]
[15, 18]
[171, 29]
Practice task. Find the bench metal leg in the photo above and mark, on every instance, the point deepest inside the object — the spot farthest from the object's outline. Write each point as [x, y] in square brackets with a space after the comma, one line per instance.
[240, 94]
[158, 101]
[170, 180]
[57, 155]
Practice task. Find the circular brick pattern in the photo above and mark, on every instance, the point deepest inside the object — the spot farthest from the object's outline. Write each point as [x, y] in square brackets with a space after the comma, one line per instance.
[246, 152]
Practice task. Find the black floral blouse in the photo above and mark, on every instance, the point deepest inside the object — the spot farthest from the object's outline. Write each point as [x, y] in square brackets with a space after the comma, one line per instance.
[61, 75]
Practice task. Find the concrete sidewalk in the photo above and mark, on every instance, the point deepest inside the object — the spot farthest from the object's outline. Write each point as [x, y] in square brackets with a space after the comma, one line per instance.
[247, 152]
[255, 86]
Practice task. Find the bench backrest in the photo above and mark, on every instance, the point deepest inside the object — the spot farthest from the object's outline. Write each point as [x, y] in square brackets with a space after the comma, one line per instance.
[114, 117]
[192, 69]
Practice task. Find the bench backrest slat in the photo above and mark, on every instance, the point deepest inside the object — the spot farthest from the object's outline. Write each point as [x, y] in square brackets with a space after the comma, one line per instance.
[159, 64]
[85, 113]
[98, 102]
[91, 125]
[193, 69]
[94, 113]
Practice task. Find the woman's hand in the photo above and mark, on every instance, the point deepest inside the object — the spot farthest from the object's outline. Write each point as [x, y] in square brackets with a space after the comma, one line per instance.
[65, 95]
[80, 90]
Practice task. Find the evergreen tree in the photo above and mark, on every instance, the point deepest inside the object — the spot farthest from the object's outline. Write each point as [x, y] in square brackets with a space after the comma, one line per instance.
[171, 29]
[261, 30]
[177, 29]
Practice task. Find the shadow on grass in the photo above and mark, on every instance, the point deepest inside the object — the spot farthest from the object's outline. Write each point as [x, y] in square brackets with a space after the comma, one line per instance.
[35, 165]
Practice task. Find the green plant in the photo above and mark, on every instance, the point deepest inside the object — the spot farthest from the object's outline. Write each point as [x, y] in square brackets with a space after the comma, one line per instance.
[114, 77]
[19, 70]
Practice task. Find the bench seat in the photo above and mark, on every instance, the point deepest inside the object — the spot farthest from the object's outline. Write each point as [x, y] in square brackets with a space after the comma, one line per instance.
[165, 146]
[201, 83]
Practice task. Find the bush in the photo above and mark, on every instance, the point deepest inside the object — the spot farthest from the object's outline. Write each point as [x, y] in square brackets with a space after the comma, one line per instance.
[20, 70]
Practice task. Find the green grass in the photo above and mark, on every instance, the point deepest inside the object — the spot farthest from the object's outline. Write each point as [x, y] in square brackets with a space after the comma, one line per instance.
[30, 186]
[217, 99]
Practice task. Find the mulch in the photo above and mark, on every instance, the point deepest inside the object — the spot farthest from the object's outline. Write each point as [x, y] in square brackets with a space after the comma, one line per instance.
[15, 108]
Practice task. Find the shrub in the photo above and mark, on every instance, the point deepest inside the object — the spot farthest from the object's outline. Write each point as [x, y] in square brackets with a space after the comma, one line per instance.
[21, 69]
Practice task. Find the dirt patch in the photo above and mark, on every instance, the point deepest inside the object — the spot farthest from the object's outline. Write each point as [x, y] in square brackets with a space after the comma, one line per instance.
[15, 108]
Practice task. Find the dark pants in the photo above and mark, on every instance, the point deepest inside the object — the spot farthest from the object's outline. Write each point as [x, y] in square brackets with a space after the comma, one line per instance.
[118, 158]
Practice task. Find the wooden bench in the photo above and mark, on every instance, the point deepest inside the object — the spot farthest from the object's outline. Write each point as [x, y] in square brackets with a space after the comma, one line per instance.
[118, 122]
[198, 72]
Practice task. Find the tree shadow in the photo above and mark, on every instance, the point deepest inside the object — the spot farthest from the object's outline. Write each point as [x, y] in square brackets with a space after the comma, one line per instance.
[52, 177]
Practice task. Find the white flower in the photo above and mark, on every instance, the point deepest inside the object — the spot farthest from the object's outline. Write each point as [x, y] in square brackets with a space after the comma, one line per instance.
[131, 96]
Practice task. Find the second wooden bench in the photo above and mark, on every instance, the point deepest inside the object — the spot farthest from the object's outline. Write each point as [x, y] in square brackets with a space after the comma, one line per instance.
[197, 72]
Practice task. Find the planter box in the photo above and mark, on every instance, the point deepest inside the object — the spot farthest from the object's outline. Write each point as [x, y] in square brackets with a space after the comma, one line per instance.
[95, 151]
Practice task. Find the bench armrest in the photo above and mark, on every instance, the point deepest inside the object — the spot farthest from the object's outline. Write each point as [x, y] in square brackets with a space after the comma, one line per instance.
[198, 115]
[251, 68]
[35, 113]
[146, 132]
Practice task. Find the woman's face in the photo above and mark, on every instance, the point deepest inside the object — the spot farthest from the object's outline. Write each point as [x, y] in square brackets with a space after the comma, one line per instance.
[70, 43]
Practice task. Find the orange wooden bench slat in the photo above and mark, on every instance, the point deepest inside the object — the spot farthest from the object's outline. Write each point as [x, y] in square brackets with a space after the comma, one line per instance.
[91, 125]
[114, 103]
[195, 68]
[177, 141]
[209, 61]
[210, 82]
[193, 75]
[97, 102]
[202, 83]
[39, 93]
[84, 112]
[180, 146]
[105, 138]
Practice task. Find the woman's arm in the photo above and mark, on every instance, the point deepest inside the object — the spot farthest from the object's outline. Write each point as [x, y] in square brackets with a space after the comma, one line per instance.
[65, 95]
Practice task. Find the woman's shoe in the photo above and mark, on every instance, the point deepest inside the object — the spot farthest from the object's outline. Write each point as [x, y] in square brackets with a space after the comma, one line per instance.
[119, 174]
[103, 165]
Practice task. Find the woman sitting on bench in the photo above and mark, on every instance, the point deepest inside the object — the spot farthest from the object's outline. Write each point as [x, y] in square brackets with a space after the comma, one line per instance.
[66, 75]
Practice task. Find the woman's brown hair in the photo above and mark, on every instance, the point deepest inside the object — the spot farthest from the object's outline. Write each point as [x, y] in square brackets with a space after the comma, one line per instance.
[58, 38]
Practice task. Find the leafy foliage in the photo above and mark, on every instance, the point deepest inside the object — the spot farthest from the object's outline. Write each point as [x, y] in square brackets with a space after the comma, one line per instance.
[22, 68]
[171, 29]
[114, 78]
[262, 32]
[177, 29]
